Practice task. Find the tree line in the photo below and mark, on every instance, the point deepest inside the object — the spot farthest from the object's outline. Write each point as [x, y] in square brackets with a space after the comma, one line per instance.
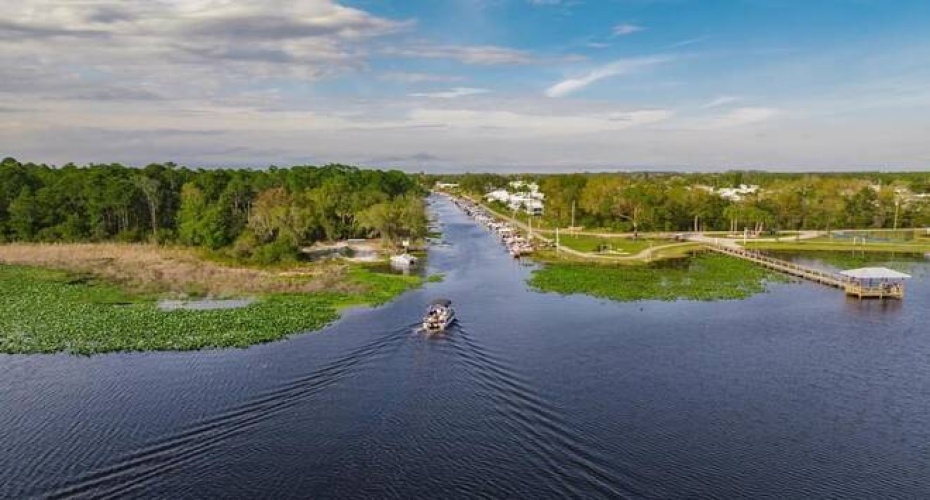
[265, 215]
[685, 202]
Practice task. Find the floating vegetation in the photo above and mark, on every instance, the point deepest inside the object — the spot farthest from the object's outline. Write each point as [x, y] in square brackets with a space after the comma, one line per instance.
[45, 311]
[703, 277]
[436, 278]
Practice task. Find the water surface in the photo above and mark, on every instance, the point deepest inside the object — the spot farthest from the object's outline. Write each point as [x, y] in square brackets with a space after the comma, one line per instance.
[798, 392]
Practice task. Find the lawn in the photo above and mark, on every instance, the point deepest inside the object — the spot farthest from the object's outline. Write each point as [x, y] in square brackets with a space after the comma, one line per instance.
[585, 243]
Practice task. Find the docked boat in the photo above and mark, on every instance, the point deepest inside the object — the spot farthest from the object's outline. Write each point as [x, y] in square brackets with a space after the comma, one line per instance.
[520, 248]
[439, 315]
[404, 261]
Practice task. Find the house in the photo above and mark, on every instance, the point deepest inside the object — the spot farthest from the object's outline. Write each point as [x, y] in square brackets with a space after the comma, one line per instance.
[525, 197]
[737, 193]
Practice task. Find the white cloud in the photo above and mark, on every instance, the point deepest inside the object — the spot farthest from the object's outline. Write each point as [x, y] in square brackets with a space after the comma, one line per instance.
[190, 44]
[721, 101]
[625, 29]
[531, 124]
[621, 67]
[452, 93]
[685, 43]
[486, 55]
[414, 77]
[739, 117]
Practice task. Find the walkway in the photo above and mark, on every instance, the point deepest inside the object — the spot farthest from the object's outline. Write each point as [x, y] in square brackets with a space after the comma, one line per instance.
[808, 273]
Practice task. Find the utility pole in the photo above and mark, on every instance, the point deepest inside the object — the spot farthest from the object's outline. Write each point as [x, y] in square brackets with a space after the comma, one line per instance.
[894, 231]
[573, 217]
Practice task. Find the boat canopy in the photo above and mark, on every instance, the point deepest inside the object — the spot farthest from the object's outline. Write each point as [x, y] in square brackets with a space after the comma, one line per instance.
[874, 273]
[441, 302]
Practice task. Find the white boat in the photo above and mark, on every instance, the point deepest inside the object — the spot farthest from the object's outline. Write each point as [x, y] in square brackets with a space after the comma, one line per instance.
[439, 315]
[521, 248]
[404, 261]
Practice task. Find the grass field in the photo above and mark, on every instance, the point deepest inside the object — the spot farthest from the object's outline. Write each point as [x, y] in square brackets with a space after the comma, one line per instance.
[590, 244]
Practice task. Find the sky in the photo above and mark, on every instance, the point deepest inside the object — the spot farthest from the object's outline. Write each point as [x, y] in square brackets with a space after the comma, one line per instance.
[469, 85]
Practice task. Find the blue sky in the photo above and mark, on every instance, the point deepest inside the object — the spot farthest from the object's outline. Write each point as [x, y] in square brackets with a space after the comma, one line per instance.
[441, 85]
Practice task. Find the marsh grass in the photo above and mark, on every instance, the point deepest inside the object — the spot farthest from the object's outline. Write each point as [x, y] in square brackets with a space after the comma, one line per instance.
[703, 277]
[78, 310]
[175, 270]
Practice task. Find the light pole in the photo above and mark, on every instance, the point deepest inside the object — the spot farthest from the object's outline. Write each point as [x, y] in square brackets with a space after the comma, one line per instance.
[894, 231]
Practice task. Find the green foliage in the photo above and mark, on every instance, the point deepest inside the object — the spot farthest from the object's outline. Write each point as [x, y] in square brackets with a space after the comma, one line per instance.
[46, 311]
[203, 208]
[402, 217]
[684, 202]
[436, 278]
[704, 277]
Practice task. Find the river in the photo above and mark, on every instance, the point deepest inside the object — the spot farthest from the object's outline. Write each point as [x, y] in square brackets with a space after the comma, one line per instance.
[794, 393]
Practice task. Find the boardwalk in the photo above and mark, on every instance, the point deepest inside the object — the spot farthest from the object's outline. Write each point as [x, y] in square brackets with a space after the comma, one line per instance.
[808, 273]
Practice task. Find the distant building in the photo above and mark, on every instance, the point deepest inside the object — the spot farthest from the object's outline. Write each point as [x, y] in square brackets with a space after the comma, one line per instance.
[526, 197]
[731, 194]
[737, 193]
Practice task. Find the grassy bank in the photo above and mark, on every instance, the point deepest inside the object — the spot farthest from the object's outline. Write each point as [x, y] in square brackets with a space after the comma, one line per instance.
[703, 277]
[585, 243]
[51, 310]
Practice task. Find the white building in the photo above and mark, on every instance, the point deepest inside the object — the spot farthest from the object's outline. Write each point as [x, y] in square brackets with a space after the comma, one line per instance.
[500, 195]
[732, 194]
[526, 197]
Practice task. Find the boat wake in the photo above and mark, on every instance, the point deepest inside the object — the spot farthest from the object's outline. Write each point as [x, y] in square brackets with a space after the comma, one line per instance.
[573, 467]
[135, 472]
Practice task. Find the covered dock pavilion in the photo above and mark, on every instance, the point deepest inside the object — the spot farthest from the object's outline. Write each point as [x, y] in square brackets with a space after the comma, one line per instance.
[874, 282]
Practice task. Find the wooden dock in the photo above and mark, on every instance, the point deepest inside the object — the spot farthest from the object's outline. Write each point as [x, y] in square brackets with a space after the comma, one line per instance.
[850, 287]
[783, 266]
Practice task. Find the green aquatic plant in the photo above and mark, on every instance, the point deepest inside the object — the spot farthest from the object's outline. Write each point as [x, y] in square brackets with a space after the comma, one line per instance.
[46, 311]
[702, 277]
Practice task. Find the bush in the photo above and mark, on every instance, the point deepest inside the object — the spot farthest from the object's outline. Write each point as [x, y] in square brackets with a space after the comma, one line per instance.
[276, 252]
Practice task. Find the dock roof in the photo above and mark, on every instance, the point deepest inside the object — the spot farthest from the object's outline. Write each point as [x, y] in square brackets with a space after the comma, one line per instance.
[874, 273]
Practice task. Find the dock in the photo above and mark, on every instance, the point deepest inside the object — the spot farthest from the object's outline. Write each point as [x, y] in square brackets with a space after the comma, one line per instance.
[783, 266]
[861, 288]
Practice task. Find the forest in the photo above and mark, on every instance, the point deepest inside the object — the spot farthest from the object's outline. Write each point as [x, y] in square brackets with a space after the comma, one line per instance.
[689, 201]
[260, 215]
